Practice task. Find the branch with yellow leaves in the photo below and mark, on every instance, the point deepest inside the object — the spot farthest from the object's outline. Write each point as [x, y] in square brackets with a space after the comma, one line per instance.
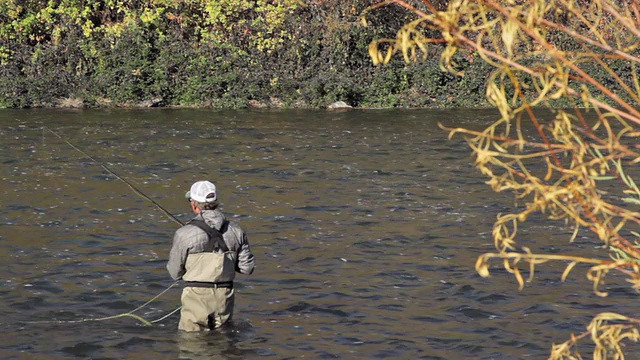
[608, 332]
[573, 195]
[576, 168]
[466, 23]
[595, 274]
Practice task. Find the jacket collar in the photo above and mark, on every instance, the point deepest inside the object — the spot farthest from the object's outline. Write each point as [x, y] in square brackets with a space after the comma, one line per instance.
[213, 218]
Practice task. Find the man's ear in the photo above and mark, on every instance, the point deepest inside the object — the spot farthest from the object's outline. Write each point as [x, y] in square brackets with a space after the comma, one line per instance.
[195, 208]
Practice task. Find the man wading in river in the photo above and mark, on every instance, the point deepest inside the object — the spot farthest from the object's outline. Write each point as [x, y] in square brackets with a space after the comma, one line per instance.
[206, 254]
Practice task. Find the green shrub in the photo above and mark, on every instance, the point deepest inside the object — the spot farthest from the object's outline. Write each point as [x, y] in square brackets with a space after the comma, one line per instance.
[228, 53]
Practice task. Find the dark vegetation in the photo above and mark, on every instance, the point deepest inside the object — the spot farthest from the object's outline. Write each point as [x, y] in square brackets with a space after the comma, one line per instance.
[223, 53]
[227, 53]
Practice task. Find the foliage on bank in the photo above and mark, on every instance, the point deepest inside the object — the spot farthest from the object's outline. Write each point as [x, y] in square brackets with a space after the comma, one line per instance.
[224, 53]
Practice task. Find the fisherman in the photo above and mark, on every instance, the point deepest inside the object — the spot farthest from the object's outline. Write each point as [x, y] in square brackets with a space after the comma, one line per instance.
[206, 254]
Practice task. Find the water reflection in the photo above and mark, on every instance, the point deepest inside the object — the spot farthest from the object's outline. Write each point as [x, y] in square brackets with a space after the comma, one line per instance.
[222, 343]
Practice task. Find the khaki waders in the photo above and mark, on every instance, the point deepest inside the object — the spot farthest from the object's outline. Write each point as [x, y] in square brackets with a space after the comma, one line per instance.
[205, 308]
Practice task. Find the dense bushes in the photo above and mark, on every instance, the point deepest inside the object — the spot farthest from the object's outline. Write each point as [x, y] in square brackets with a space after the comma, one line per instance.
[227, 53]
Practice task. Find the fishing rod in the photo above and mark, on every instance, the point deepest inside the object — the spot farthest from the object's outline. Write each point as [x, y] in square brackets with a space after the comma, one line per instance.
[138, 192]
[144, 196]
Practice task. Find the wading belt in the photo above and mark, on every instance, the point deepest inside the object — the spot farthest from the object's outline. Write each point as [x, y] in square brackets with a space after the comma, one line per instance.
[216, 243]
[201, 284]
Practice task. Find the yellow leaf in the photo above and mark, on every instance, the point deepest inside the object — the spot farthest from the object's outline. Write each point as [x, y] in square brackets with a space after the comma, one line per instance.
[482, 267]
[568, 270]
[518, 276]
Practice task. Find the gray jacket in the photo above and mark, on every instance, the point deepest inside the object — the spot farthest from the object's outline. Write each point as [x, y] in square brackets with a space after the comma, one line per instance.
[190, 239]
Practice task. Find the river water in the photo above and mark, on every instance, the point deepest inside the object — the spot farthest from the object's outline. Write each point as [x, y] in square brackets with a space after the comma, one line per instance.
[365, 225]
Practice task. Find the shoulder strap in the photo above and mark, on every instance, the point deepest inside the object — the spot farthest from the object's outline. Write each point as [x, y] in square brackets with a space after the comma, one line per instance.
[215, 237]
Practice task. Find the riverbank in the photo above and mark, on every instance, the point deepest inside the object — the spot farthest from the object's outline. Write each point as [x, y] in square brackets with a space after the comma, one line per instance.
[224, 54]
[307, 55]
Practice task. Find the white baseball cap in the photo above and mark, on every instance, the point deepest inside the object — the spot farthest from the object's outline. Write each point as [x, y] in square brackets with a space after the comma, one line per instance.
[201, 191]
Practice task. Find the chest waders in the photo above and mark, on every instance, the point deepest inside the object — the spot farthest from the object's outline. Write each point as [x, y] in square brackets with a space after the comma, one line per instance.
[215, 266]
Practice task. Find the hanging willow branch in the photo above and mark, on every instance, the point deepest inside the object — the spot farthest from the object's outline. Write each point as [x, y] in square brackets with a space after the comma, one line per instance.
[579, 165]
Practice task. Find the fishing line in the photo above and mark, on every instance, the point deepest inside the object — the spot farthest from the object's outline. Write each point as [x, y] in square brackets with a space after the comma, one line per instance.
[144, 196]
[127, 314]
[140, 193]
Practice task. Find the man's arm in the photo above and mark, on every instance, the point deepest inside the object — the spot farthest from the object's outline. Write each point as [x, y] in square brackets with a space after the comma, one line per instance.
[177, 258]
[246, 262]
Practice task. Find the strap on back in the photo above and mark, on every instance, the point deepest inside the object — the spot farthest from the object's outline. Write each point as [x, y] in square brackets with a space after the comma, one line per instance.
[216, 243]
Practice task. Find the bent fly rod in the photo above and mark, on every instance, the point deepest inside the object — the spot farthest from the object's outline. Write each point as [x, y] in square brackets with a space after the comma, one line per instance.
[144, 196]
[138, 192]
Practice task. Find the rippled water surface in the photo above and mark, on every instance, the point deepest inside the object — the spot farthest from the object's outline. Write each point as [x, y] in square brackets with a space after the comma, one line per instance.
[366, 226]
